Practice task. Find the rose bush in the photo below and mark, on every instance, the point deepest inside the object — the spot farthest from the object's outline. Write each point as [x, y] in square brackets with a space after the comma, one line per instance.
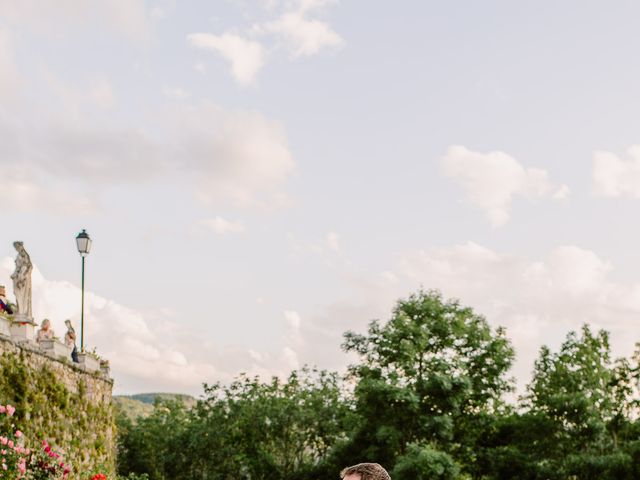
[20, 461]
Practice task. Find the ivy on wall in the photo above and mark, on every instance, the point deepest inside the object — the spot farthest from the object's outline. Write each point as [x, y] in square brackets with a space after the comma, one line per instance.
[82, 427]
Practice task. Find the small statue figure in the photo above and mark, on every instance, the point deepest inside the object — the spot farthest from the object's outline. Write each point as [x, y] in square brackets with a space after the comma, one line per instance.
[45, 332]
[70, 340]
[22, 281]
[5, 306]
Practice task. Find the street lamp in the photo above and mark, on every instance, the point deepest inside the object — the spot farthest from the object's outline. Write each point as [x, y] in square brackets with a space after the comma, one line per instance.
[84, 245]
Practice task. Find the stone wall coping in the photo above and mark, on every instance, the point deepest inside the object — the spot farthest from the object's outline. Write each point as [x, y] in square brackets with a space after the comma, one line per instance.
[33, 348]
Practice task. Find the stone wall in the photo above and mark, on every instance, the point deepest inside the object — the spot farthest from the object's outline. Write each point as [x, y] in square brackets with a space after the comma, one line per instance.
[61, 402]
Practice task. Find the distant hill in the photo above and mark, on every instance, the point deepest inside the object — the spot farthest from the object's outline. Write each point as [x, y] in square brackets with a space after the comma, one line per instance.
[150, 398]
[142, 404]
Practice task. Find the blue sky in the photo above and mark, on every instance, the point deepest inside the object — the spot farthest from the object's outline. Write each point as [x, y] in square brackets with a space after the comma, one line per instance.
[260, 176]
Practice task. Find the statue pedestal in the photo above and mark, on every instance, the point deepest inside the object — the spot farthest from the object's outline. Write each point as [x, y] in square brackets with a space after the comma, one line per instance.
[22, 329]
[88, 362]
[55, 348]
[5, 326]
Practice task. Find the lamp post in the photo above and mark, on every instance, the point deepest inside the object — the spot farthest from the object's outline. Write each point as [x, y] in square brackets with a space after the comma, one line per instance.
[84, 245]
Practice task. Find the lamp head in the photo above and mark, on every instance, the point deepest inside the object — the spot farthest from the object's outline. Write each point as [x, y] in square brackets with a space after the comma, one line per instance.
[83, 242]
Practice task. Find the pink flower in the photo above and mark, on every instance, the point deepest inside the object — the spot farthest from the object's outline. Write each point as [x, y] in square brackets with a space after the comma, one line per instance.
[3, 440]
[18, 433]
[2, 409]
[10, 443]
[4, 466]
[10, 410]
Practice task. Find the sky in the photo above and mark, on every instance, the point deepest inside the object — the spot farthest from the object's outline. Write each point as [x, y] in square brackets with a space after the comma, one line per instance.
[260, 176]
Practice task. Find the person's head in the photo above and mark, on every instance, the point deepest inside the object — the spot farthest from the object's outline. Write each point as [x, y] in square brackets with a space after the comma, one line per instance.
[3, 292]
[46, 324]
[365, 471]
[67, 323]
[18, 245]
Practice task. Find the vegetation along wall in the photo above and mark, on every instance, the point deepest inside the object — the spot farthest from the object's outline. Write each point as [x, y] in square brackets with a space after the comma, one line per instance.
[59, 402]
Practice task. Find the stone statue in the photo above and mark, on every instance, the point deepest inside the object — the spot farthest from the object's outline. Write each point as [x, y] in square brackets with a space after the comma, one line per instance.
[22, 282]
[45, 332]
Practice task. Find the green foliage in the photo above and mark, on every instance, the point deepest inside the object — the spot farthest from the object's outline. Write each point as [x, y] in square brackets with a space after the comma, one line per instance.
[249, 429]
[576, 417]
[424, 375]
[425, 399]
[47, 410]
[422, 462]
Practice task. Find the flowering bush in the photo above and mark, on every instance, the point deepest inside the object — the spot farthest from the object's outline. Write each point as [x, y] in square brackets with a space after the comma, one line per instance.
[18, 461]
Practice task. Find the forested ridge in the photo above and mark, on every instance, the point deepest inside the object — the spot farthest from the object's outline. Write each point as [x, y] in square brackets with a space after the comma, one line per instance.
[426, 399]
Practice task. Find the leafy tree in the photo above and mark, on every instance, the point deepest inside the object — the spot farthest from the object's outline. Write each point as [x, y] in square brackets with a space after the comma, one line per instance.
[154, 445]
[277, 429]
[424, 399]
[422, 462]
[424, 375]
[575, 411]
[580, 390]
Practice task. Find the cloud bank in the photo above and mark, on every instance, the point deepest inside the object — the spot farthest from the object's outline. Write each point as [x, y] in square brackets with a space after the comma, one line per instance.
[147, 351]
[616, 177]
[492, 180]
[295, 29]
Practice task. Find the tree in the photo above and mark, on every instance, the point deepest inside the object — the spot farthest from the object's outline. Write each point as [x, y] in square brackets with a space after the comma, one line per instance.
[273, 430]
[154, 445]
[576, 408]
[423, 376]
[574, 388]
[422, 462]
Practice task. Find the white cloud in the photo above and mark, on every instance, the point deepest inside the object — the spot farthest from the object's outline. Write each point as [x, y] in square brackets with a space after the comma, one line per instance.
[237, 156]
[616, 177]
[127, 17]
[538, 300]
[293, 335]
[246, 56]
[333, 241]
[491, 181]
[222, 226]
[25, 192]
[293, 318]
[81, 96]
[148, 352]
[304, 36]
[296, 28]
[233, 157]
[562, 193]
[329, 244]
